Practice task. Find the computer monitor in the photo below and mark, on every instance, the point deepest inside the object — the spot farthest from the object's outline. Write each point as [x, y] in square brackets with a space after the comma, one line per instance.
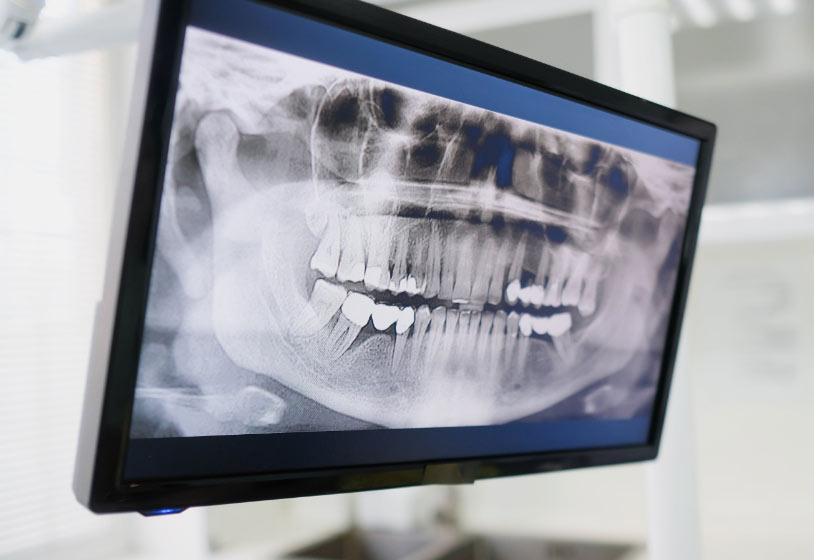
[355, 251]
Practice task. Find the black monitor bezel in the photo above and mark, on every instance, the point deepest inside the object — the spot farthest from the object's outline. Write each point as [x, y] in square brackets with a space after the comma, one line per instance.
[110, 492]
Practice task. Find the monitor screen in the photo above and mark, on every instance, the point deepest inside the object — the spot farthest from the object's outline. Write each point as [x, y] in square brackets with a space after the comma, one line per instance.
[362, 253]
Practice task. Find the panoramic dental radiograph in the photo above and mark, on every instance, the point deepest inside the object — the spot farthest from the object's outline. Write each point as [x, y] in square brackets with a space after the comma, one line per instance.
[335, 252]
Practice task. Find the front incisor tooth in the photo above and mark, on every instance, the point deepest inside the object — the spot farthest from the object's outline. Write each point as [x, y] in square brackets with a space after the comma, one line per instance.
[384, 316]
[326, 258]
[463, 272]
[358, 308]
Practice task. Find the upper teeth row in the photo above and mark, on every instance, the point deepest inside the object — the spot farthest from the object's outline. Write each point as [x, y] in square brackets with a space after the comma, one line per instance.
[366, 249]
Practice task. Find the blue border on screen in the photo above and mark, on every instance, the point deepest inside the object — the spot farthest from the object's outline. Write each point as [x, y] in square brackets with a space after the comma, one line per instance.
[338, 47]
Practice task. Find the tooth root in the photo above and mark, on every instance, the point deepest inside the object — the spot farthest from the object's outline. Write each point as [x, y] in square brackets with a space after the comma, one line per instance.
[512, 328]
[564, 346]
[516, 268]
[352, 255]
[523, 345]
[544, 266]
[384, 316]
[422, 321]
[483, 349]
[434, 261]
[358, 308]
[326, 258]
[559, 324]
[341, 337]
[587, 303]
[435, 336]
[444, 359]
[496, 282]
[448, 267]
[480, 288]
[498, 340]
[325, 301]
[377, 273]
[470, 341]
[399, 351]
[460, 353]
[463, 270]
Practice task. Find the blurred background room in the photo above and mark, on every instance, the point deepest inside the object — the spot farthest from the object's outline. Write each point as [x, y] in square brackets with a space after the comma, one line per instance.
[746, 358]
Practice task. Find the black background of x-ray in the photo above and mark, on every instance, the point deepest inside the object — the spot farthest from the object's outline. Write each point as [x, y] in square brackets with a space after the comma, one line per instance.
[103, 448]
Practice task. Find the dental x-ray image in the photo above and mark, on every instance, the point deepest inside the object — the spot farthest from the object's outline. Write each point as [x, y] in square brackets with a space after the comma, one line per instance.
[335, 252]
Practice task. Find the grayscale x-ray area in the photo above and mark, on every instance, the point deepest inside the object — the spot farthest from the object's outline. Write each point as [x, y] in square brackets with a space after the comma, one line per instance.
[339, 252]
[332, 256]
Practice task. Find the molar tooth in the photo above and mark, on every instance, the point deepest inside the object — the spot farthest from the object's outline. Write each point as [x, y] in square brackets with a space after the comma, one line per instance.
[352, 257]
[326, 257]
[357, 308]
[405, 320]
[372, 276]
[422, 321]
[412, 286]
[499, 272]
[434, 261]
[342, 335]
[402, 286]
[325, 301]
[559, 323]
[537, 295]
[587, 304]
[513, 292]
[525, 324]
[384, 316]
[524, 295]
[540, 325]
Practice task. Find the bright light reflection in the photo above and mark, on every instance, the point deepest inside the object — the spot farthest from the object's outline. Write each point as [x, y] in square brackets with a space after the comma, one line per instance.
[700, 12]
[783, 7]
[742, 10]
